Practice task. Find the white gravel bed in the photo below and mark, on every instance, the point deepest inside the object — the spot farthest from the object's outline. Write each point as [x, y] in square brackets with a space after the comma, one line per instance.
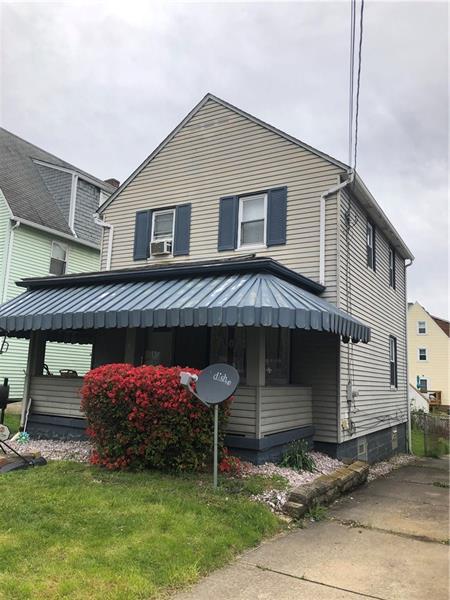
[384, 467]
[275, 499]
[79, 451]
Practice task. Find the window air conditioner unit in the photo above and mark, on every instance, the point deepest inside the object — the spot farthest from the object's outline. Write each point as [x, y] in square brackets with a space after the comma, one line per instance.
[161, 248]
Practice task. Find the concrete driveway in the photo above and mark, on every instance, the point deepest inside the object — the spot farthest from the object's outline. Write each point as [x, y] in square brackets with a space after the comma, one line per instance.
[388, 540]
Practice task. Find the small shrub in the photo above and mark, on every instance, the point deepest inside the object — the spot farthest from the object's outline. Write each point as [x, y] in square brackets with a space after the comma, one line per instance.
[298, 457]
[317, 512]
[231, 465]
[141, 417]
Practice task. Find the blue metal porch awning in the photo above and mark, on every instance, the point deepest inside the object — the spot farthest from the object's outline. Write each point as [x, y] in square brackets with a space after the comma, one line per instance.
[220, 299]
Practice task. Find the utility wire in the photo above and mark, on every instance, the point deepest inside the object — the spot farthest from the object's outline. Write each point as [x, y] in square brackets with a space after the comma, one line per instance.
[351, 80]
[358, 82]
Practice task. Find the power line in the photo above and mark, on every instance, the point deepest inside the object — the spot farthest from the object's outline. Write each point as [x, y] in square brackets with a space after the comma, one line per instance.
[353, 110]
[358, 81]
[351, 80]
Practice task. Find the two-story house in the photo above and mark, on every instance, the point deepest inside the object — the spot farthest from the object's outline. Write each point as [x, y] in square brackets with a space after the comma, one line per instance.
[235, 242]
[46, 227]
[429, 354]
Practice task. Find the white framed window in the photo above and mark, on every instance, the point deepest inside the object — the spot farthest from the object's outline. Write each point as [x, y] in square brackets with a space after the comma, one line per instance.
[423, 384]
[421, 327]
[393, 367]
[392, 267]
[163, 226]
[58, 259]
[422, 354]
[370, 245]
[252, 220]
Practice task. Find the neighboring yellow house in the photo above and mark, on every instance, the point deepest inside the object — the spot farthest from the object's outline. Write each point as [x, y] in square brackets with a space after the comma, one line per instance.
[428, 352]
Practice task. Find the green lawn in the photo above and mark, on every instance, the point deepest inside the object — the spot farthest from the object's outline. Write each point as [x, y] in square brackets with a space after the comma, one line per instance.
[12, 421]
[74, 531]
[436, 448]
[417, 442]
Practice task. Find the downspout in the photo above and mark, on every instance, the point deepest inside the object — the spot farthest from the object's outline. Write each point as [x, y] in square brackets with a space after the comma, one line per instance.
[109, 226]
[322, 219]
[408, 404]
[9, 258]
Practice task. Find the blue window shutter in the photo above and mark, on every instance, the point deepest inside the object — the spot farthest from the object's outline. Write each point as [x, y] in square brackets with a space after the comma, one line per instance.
[276, 216]
[228, 223]
[182, 230]
[142, 234]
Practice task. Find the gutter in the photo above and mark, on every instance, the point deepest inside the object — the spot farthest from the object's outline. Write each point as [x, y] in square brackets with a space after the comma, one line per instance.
[8, 259]
[408, 404]
[105, 225]
[175, 271]
[54, 232]
[322, 220]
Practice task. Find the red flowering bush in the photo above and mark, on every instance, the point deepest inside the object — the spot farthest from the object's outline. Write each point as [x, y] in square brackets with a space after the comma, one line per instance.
[231, 465]
[141, 417]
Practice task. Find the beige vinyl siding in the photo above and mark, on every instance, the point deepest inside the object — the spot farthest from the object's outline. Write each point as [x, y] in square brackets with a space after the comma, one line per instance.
[437, 366]
[220, 153]
[315, 362]
[284, 408]
[242, 420]
[56, 396]
[384, 309]
[30, 257]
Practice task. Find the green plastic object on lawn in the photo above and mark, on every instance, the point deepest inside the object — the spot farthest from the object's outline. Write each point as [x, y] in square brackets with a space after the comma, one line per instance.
[17, 461]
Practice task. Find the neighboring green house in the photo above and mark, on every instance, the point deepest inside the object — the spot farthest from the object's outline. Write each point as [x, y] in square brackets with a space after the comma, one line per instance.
[47, 227]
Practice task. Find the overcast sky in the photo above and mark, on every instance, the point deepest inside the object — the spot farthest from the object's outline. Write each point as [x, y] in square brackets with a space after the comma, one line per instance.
[100, 85]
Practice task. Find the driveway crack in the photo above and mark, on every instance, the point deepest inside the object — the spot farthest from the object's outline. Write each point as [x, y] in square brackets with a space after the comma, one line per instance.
[305, 578]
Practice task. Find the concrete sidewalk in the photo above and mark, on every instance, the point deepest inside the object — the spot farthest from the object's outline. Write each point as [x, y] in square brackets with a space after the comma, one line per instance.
[386, 541]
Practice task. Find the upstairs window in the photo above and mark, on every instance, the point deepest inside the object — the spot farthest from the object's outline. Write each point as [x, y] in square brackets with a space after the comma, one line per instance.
[421, 327]
[422, 354]
[393, 361]
[162, 226]
[392, 267]
[370, 245]
[58, 259]
[252, 220]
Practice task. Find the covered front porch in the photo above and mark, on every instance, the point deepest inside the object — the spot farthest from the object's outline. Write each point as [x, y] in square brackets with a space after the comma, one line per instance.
[264, 319]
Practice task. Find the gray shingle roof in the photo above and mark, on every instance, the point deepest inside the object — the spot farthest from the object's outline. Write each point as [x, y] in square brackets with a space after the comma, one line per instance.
[23, 187]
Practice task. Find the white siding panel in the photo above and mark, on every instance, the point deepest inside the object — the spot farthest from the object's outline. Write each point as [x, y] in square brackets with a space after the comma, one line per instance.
[315, 360]
[284, 408]
[384, 309]
[56, 396]
[220, 153]
[242, 420]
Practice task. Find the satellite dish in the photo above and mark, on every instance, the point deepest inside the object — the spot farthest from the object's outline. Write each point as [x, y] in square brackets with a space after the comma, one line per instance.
[4, 433]
[216, 383]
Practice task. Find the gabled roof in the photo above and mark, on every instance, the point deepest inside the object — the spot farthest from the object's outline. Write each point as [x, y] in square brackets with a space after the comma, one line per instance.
[443, 324]
[358, 187]
[189, 116]
[23, 187]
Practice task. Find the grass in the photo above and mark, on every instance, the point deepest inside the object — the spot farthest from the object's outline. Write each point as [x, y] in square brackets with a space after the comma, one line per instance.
[440, 447]
[317, 512]
[75, 531]
[417, 442]
[12, 421]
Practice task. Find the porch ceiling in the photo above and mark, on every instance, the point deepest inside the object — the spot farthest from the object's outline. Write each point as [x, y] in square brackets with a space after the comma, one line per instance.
[234, 299]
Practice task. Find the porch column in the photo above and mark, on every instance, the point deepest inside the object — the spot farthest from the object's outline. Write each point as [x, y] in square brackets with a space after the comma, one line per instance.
[256, 367]
[35, 363]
